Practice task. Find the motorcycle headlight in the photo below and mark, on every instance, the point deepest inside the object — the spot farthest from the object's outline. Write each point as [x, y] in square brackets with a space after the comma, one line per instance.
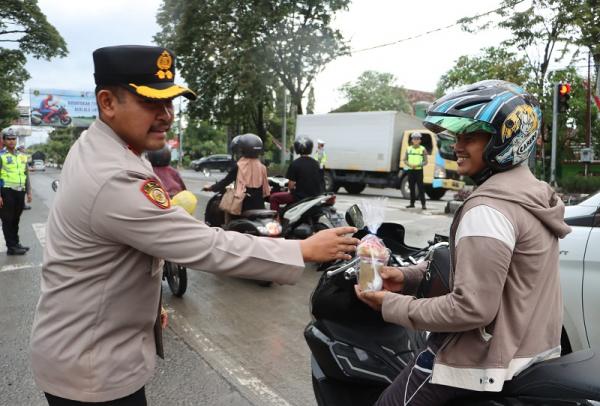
[271, 229]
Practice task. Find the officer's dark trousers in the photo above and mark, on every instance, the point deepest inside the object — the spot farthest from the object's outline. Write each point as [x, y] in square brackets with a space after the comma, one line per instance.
[412, 386]
[135, 399]
[415, 178]
[12, 207]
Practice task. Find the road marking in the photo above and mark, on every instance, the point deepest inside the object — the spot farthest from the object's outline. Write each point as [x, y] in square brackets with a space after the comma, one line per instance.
[218, 359]
[18, 267]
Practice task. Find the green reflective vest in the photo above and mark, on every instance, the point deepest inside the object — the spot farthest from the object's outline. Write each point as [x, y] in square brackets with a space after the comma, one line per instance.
[416, 156]
[320, 157]
[14, 170]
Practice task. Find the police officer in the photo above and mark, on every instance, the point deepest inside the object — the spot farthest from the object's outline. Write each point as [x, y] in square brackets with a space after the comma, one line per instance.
[321, 157]
[14, 175]
[415, 159]
[95, 333]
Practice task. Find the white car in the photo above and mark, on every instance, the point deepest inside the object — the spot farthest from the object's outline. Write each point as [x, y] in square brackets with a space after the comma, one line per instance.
[38, 165]
[580, 275]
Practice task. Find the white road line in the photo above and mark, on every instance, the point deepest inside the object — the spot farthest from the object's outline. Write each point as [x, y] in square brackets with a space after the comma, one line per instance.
[18, 267]
[221, 361]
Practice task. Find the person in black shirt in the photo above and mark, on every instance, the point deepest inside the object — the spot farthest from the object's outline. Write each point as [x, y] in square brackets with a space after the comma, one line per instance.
[303, 174]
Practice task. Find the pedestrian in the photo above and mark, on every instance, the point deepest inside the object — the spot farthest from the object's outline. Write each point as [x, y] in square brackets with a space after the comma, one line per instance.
[415, 159]
[304, 178]
[95, 332]
[504, 309]
[321, 158]
[16, 187]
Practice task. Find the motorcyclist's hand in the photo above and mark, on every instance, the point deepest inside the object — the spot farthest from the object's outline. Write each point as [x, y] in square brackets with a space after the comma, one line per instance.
[29, 198]
[373, 299]
[1, 202]
[393, 278]
[206, 188]
[329, 245]
[164, 318]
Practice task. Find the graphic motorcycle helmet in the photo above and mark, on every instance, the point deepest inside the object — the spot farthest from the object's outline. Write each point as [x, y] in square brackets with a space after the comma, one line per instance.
[506, 111]
[303, 146]
[249, 145]
[160, 157]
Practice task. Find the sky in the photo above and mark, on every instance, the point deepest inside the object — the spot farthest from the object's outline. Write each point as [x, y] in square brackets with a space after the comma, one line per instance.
[417, 63]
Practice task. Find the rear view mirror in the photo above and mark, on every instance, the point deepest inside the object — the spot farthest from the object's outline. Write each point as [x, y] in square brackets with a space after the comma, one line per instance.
[445, 143]
[354, 217]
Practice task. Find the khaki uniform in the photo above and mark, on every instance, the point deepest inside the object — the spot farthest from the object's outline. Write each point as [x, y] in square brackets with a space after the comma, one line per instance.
[92, 337]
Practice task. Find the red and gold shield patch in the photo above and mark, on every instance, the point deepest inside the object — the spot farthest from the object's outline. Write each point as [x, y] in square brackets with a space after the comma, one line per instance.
[156, 194]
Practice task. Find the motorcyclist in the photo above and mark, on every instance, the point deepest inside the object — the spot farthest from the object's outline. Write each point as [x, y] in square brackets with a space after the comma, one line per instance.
[504, 311]
[249, 174]
[48, 108]
[303, 174]
[169, 176]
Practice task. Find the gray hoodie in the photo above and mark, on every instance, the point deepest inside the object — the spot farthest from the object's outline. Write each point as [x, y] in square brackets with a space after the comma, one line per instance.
[505, 309]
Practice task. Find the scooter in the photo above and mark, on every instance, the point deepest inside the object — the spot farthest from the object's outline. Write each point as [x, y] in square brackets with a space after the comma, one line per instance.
[356, 354]
[60, 116]
[305, 217]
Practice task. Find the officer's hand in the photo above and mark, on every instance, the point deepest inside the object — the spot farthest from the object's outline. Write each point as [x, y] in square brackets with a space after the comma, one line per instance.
[373, 299]
[164, 318]
[393, 278]
[329, 245]
[29, 198]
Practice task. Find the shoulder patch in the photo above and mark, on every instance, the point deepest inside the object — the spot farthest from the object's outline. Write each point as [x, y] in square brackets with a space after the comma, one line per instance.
[156, 194]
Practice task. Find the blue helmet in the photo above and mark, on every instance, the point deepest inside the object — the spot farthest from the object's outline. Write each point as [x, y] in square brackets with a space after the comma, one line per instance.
[506, 111]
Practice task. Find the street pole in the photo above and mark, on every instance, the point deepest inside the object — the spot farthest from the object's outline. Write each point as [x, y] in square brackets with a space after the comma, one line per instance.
[284, 129]
[554, 130]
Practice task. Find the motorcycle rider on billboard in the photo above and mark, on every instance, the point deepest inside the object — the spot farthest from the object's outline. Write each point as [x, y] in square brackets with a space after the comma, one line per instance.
[504, 309]
[48, 108]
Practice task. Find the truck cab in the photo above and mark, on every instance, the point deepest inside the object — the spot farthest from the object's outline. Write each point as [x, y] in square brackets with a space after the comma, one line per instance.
[440, 174]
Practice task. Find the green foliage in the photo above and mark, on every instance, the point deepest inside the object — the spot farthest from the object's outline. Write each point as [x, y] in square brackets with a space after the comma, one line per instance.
[59, 143]
[23, 23]
[201, 139]
[580, 184]
[237, 54]
[492, 63]
[374, 91]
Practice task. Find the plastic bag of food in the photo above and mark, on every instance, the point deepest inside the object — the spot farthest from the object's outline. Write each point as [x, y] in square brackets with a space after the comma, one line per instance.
[372, 251]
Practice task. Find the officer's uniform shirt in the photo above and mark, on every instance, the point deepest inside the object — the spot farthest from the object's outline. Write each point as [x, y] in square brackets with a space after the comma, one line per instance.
[14, 173]
[101, 275]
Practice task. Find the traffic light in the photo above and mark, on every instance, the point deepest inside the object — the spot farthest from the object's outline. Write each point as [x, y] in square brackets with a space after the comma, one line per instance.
[564, 94]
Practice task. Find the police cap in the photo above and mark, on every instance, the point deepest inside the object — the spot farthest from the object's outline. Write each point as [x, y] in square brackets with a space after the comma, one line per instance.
[147, 71]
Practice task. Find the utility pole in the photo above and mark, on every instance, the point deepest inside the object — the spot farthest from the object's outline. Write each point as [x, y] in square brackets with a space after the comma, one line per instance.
[554, 130]
[284, 129]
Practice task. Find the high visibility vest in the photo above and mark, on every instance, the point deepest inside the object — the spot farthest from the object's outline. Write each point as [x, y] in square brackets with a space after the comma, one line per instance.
[14, 170]
[416, 156]
[320, 157]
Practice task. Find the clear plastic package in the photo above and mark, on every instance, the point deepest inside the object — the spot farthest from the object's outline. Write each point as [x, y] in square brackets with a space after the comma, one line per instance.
[372, 251]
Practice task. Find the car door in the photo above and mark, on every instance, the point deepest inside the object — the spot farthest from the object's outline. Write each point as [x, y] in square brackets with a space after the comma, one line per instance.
[591, 283]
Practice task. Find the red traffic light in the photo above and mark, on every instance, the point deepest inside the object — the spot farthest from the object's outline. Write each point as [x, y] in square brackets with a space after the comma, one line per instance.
[564, 88]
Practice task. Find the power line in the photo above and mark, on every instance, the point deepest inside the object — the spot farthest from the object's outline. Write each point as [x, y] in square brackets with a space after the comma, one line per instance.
[428, 32]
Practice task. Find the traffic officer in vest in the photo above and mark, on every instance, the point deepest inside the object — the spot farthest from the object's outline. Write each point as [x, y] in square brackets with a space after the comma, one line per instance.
[321, 157]
[415, 159]
[97, 329]
[15, 186]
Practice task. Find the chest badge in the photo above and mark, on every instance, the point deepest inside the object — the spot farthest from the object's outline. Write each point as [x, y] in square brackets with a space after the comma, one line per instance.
[156, 194]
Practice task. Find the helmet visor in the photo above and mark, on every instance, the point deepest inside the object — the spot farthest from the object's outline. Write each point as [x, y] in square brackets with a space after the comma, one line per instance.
[456, 125]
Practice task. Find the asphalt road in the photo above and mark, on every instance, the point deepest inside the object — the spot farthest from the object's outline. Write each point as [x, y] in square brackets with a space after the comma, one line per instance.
[230, 341]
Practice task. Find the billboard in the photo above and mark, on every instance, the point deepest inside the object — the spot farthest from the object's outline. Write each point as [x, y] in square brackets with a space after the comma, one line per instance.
[62, 108]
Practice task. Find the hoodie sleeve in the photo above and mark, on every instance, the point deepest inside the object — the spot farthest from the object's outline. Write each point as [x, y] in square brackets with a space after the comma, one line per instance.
[484, 243]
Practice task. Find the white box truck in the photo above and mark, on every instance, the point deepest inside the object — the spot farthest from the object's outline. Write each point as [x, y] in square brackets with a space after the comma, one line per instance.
[365, 149]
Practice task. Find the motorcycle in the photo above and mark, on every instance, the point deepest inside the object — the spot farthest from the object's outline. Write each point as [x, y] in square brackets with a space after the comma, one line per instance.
[278, 184]
[305, 217]
[60, 116]
[355, 354]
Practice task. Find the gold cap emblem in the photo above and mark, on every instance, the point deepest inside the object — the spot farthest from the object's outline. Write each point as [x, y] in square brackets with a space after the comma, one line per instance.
[164, 63]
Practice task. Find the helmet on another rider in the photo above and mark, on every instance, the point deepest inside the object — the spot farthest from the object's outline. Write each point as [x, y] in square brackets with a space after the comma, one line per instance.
[160, 157]
[249, 145]
[303, 146]
[502, 109]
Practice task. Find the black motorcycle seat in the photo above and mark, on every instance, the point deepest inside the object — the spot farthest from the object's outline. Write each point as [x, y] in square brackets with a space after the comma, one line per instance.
[573, 376]
[259, 213]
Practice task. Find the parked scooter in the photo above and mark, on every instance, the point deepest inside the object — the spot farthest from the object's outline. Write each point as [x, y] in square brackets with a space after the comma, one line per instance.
[305, 217]
[356, 354]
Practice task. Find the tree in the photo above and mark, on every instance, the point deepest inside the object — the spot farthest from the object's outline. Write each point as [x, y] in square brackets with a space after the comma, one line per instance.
[201, 139]
[374, 91]
[237, 53]
[59, 143]
[493, 63]
[310, 105]
[22, 23]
